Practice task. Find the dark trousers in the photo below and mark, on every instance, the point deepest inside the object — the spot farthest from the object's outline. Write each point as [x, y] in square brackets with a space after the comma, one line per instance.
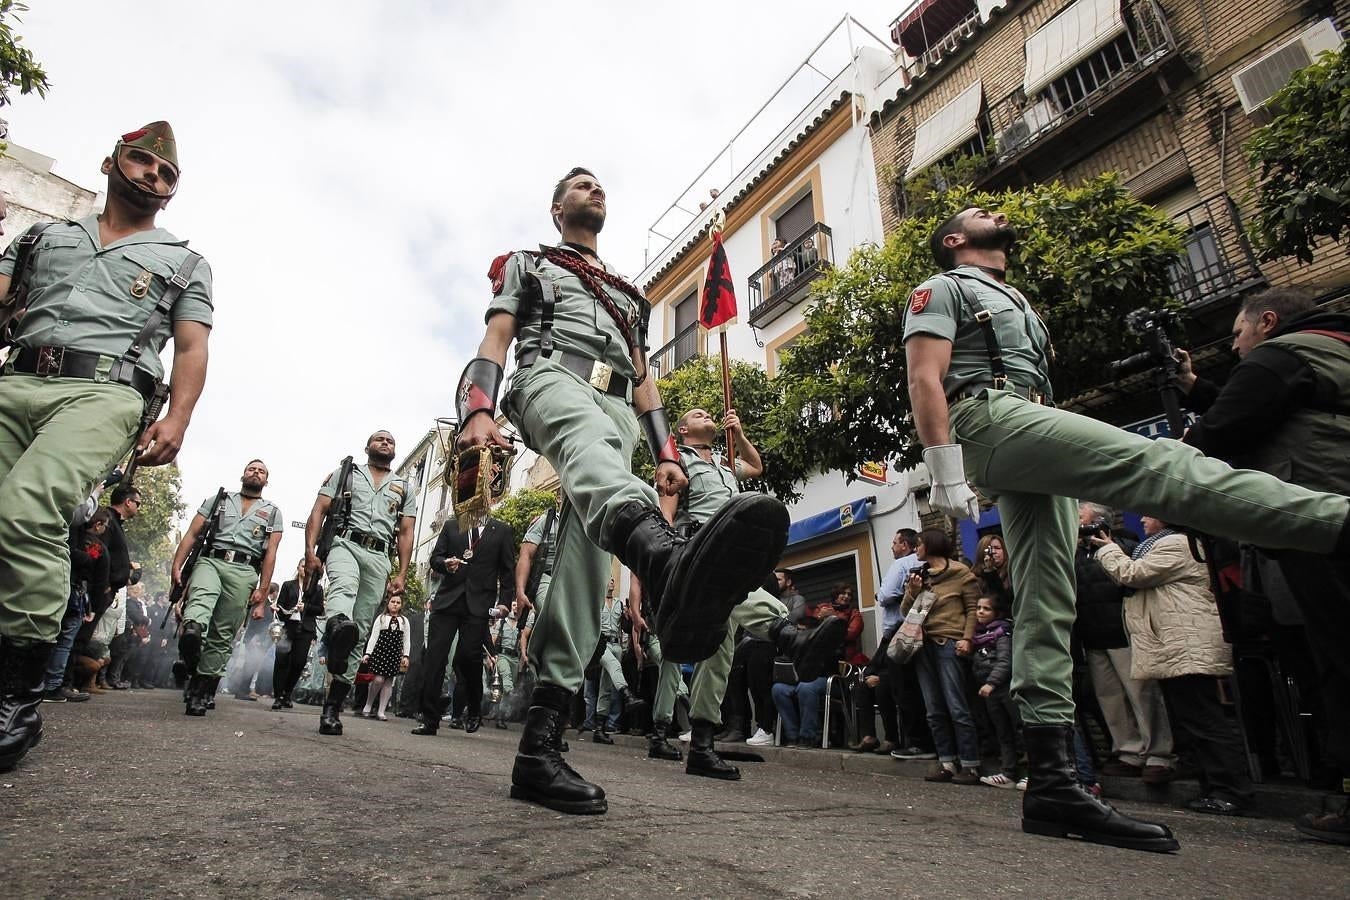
[1322, 589]
[1199, 724]
[910, 708]
[442, 627]
[879, 699]
[292, 654]
[759, 680]
[736, 700]
[1007, 724]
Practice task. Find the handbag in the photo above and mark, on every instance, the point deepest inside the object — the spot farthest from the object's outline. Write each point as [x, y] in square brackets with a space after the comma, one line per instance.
[908, 637]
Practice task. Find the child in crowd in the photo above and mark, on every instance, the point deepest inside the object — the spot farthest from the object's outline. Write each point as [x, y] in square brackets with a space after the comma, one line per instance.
[387, 654]
[991, 663]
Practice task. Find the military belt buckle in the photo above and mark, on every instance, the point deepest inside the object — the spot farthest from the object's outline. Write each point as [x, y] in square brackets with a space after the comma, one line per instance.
[50, 360]
[601, 373]
[1000, 382]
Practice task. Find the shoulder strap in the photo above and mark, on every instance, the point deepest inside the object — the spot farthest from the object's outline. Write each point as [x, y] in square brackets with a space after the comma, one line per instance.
[985, 319]
[121, 370]
[548, 302]
[25, 243]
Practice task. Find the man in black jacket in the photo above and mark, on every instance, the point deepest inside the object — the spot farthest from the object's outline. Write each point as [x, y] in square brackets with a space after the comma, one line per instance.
[1135, 714]
[1285, 409]
[297, 611]
[477, 567]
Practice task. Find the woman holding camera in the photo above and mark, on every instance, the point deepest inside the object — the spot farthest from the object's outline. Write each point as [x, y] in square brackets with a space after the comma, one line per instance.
[943, 663]
[991, 567]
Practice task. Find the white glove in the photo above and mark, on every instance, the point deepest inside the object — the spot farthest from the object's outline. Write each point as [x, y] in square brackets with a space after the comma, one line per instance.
[949, 491]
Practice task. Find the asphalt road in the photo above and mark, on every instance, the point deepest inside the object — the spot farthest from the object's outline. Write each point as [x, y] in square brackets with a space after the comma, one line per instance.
[126, 797]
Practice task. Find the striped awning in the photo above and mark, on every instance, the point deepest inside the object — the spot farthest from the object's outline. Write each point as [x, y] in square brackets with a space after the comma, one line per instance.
[1068, 38]
[947, 129]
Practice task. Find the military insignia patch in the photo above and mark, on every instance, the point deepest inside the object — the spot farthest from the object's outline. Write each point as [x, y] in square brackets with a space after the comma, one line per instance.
[141, 286]
[497, 273]
[393, 507]
[919, 299]
[257, 531]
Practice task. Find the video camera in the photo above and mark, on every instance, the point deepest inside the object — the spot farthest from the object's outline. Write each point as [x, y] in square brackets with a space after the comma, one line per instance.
[1095, 528]
[1153, 326]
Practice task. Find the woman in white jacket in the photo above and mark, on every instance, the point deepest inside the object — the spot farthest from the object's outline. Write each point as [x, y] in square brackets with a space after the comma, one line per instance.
[1177, 639]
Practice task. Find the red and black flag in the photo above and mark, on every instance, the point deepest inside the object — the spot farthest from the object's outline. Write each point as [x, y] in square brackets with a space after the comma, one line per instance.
[719, 296]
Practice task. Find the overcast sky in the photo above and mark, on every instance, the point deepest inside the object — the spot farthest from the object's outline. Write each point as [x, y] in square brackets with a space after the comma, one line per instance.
[351, 169]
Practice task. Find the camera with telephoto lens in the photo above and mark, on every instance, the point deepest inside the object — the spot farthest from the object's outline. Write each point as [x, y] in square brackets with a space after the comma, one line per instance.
[1095, 528]
[1152, 325]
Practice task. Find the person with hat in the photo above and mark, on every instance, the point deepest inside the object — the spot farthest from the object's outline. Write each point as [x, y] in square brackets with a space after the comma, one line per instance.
[379, 521]
[87, 307]
[232, 575]
[581, 396]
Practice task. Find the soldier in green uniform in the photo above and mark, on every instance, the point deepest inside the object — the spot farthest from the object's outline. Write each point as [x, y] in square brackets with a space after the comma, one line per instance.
[382, 518]
[581, 374]
[670, 686]
[540, 538]
[712, 484]
[231, 575]
[88, 310]
[977, 358]
[611, 669]
[505, 662]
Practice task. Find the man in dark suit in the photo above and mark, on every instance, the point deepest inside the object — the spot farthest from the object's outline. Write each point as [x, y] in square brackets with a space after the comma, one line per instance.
[477, 567]
[296, 607]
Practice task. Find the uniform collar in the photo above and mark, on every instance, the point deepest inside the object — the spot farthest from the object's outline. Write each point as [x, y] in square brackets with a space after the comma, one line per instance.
[568, 248]
[152, 236]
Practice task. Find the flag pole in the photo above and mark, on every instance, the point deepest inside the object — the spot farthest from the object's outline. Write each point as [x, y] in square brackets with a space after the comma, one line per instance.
[718, 224]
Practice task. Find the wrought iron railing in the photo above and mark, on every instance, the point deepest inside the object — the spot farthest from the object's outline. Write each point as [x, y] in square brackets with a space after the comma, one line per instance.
[1019, 121]
[1217, 261]
[677, 351]
[785, 278]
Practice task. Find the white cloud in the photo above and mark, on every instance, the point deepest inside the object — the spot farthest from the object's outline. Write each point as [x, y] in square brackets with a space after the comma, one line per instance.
[350, 169]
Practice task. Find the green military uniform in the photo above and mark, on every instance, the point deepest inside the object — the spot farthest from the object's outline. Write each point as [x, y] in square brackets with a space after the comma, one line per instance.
[358, 564]
[670, 685]
[59, 434]
[547, 538]
[1038, 461]
[588, 436]
[226, 574]
[508, 659]
[711, 485]
[611, 659]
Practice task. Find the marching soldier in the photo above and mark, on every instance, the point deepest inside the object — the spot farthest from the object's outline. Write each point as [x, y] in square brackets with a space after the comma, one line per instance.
[380, 519]
[712, 485]
[611, 669]
[88, 306]
[581, 376]
[230, 577]
[977, 358]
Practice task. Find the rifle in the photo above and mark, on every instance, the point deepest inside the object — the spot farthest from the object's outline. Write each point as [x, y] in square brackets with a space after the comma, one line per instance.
[338, 515]
[148, 418]
[177, 592]
[541, 553]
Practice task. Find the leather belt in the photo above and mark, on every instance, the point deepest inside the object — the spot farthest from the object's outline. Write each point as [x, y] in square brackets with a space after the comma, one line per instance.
[54, 362]
[367, 540]
[237, 556]
[598, 375]
[974, 390]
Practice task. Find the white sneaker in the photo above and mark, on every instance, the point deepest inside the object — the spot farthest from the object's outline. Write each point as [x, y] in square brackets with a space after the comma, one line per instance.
[760, 738]
[684, 738]
[1021, 784]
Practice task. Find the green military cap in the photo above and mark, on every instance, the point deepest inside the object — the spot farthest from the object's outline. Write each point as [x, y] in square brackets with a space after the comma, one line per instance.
[156, 138]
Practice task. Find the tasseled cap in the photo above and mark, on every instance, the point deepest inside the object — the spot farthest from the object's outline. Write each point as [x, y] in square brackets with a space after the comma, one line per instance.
[157, 138]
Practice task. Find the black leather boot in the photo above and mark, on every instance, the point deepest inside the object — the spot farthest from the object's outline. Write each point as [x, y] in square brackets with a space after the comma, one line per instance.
[340, 635]
[190, 647]
[733, 731]
[812, 651]
[703, 759]
[540, 774]
[1055, 805]
[279, 701]
[633, 705]
[330, 720]
[660, 748]
[601, 736]
[695, 582]
[23, 676]
[194, 696]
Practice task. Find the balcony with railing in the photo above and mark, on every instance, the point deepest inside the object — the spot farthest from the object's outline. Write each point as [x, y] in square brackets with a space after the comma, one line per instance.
[676, 352]
[1101, 95]
[933, 29]
[1217, 263]
[785, 279]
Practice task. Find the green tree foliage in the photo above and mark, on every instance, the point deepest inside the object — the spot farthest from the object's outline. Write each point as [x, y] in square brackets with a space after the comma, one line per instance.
[17, 66]
[519, 508]
[152, 534]
[698, 385]
[414, 592]
[1087, 256]
[1303, 169]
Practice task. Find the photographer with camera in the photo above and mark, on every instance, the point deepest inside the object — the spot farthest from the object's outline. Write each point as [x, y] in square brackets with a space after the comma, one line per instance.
[1136, 717]
[1284, 411]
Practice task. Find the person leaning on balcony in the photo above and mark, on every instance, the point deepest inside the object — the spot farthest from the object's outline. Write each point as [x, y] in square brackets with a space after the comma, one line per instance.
[978, 362]
[785, 270]
[1283, 411]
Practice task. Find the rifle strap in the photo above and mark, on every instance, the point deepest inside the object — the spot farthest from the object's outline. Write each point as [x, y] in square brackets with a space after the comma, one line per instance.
[121, 369]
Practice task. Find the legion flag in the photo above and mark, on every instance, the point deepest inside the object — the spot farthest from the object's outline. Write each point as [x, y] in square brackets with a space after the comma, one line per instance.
[718, 305]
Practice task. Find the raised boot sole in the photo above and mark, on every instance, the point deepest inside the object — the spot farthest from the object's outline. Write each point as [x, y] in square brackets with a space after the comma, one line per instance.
[1061, 830]
[571, 807]
[725, 560]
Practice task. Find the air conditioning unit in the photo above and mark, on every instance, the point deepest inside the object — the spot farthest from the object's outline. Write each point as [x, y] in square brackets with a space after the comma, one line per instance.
[1258, 81]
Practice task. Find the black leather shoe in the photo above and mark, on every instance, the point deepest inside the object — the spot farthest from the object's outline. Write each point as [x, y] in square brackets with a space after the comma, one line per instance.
[277, 703]
[286, 702]
[330, 720]
[1055, 805]
[633, 705]
[703, 759]
[340, 635]
[694, 583]
[660, 748]
[23, 675]
[424, 730]
[456, 723]
[1216, 806]
[540, 774]
[501, 723]
[472, 724]
[813, 652]
[198, 690]
[600, 736]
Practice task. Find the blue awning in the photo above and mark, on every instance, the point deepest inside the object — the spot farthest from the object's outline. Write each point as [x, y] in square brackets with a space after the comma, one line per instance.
[848, 515]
